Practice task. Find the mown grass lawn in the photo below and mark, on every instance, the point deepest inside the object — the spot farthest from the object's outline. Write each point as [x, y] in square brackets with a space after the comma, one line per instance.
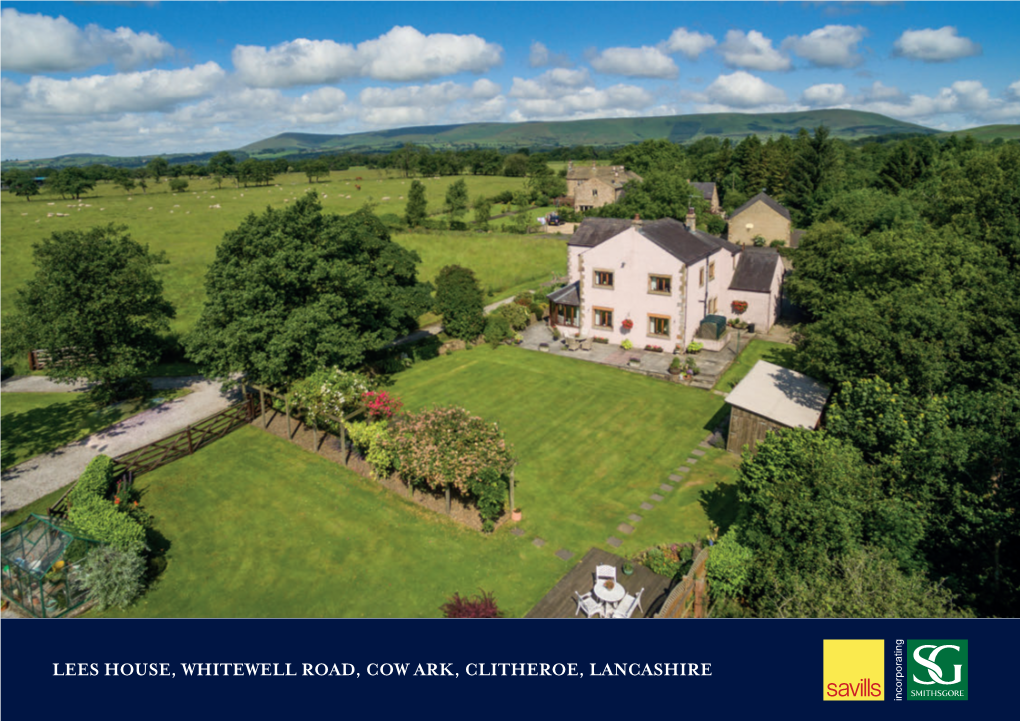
[36, 423]
[257, 527]
[593, 442]
[189, 230]
[781, 354]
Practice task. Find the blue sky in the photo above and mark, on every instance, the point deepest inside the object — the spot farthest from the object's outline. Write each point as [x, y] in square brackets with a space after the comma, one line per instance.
[142, 78]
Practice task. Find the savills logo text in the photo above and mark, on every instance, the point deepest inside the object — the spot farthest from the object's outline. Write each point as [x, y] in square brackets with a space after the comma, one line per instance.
[853, 669]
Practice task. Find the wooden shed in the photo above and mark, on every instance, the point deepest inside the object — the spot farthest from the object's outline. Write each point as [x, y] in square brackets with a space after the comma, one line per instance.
[769, 398]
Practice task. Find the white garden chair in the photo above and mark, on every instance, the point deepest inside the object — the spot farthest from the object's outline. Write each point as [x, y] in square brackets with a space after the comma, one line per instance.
[628, 604]
[588, 604]
[605, 573]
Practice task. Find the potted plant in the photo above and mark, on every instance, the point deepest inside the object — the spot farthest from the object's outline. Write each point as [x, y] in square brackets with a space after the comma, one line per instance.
[627, 344]
[516, 514]
[627, 568]
[695, 346]
[675, 367]
[627, 324]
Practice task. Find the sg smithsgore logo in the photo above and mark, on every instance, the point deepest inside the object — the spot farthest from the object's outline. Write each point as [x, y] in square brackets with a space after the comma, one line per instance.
[937, 670]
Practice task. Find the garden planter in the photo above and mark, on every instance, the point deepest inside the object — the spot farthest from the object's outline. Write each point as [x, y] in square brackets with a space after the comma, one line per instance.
[627, 569]
[634, 362]
[544, 347]
[675, 371]
[516, 514]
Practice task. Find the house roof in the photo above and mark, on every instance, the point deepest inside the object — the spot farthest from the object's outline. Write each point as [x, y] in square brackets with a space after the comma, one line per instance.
[615, 174]
[707, 189]
[755, 270]
[568, 295]
[768, 200]
[669, 234]
[795, 236]
[787, 397]
[593, 231]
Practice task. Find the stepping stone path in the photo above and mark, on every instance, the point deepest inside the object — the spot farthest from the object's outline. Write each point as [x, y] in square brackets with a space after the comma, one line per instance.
[691, 461]
[625, 528]
[518, 531]
[656, 497]
[683, 469]
[666, 487]
[697, 452]
[646, 506]
[614, 541]
[538, 542]
[634, 518]
[676, 479]
[564, 554]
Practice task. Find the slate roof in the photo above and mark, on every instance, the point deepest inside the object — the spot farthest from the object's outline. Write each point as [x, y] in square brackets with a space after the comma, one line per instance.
[593, 231]
[568, 295]
[615, 174]
[768, 200]
[669, 234]
[780, 394]
[755, 270]
[706, 189]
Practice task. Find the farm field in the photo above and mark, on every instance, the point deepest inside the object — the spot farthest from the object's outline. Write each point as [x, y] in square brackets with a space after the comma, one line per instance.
[258, 527]
[593, 442]
[189, 230]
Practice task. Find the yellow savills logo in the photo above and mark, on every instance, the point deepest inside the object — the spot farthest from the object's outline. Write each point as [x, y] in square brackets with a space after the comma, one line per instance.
[853, 670]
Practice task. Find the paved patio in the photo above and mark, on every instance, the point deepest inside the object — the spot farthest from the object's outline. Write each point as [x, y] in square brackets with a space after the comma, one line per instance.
[712, 364]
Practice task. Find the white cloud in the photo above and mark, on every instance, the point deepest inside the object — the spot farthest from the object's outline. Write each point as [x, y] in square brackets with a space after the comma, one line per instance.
[968, 98]
[643, 62]
[402, 54]
[741, 90]
[40, 43]
[541, 57]
[688, 42]
[753, 51]
[550, 84]
[424, 104]
[586, 102]
[825, 95]
[830, 46]
[878, 91]
[933, 46]
[1014, 90]
[147, 91]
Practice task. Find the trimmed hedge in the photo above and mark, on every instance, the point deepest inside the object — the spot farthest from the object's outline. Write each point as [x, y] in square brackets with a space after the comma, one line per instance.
[91, 512]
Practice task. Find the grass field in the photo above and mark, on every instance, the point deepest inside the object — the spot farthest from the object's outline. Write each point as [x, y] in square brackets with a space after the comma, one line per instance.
[779, 353]
[189, 230]
[36, 423]
[258, 527]
[593, 442]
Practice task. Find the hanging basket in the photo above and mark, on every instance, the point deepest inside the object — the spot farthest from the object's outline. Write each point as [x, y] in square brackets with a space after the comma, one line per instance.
[627, 324]
[739, 306]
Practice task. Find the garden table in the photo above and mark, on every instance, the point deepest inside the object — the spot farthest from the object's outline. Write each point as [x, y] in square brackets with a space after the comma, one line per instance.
[609, 596]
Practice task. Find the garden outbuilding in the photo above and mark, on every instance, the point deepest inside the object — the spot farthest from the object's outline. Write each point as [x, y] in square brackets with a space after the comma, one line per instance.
[769, 398]
[40, 559]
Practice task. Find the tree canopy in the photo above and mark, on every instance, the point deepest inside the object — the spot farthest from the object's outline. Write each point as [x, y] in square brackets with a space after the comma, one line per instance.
[460, 302]
[295, 289]
[96, 306]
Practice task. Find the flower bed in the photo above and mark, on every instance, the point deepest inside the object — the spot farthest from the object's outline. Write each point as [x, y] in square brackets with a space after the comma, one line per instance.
[600, 340]
[654, 348]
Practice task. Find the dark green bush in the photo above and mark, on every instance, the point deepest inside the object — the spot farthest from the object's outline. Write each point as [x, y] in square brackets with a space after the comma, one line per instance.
[117, 522]
[729, 566]
[113, 577]
[497, 330]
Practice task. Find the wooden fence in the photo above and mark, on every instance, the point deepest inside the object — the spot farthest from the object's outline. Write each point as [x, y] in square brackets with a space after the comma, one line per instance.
[180, 444]
[689, 595]
[288, 406]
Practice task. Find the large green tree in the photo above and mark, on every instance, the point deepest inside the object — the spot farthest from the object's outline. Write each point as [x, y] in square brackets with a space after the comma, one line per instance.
[21, 183]
[460, 302]
[96, 306]
[296, 289]
[71, 181]
[417, 207]
[457, 200]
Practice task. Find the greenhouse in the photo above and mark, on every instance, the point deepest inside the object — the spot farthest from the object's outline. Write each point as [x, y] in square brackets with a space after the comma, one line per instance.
[40, 557]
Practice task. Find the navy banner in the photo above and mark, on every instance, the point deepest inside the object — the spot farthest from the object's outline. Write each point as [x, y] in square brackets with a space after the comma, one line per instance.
[509, 669]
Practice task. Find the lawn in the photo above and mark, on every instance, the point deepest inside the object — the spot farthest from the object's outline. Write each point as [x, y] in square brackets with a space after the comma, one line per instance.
[36, 423]
[593, 442]
[258, 527]
[189, 230]
[779, 353]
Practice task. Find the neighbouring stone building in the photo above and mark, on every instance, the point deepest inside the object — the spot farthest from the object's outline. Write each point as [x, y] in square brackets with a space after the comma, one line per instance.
[761, 215]
[711, 194]
[595, 186]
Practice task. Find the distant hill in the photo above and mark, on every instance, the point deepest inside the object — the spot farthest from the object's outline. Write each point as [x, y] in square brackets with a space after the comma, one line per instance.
[988, 133]
[609, 132]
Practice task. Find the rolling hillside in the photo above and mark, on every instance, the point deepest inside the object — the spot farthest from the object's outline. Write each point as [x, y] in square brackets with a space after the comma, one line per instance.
[848, 124]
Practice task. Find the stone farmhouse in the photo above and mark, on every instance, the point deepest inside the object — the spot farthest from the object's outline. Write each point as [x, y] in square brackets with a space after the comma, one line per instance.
[597, 186]
[761, 215]
[711, 194]
[654, 282]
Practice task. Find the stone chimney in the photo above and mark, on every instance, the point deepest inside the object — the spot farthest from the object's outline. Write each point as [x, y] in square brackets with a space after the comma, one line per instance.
[570, 165]
[692, 219]
[637, 220]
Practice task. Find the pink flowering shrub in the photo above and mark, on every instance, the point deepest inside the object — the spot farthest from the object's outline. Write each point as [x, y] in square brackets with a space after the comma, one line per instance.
[448, 447]
[381, 404]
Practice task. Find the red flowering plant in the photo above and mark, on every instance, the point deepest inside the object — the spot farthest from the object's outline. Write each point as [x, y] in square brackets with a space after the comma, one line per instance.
[381, 404]
[739, 306]
[627, 324]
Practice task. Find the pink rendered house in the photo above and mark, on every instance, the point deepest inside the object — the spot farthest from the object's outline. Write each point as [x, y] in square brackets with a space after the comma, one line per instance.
[654, 282]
